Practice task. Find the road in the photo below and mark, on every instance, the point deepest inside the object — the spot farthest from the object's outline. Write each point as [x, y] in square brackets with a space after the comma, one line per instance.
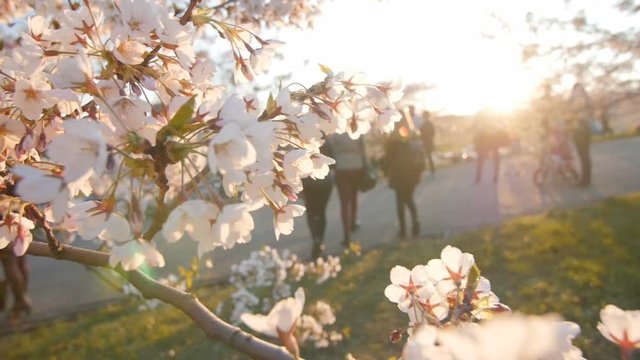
[448, 202]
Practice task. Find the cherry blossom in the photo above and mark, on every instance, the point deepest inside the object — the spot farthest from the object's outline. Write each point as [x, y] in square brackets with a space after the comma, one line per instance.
[196, 218]
[530, 338]
[128, 251]
[236, 224]
[385, 122]
[422, 346]
[230, 151]
[283, 221]
[16, 229]
[32, 97]
[451, 270]
[286, 106]
[408, 287]
[12, 130]
[261, 59]
[621, 328]
[87, 219]
[296, 164]
[42, 187]
[281, 320]
[139, 17]
[80, 149]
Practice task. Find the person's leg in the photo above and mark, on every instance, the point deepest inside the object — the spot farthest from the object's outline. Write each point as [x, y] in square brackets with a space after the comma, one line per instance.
[23, 265]
[356, 179]
[3, 294]
[479, 165]
[402, 233]
[496, 164]
[343, 184]
[16, 280]
[311, 203]
[353, 200]
[318, 223]
[430, 158]
[323, 200]
[415, 225]
[585, 163]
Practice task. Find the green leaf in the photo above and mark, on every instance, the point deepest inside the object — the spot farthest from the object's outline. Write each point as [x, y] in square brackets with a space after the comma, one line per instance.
[473, 279]
[183, 115]
[325, 69]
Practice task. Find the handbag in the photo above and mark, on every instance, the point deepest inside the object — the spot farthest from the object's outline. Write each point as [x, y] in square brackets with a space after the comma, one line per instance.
[369, 177]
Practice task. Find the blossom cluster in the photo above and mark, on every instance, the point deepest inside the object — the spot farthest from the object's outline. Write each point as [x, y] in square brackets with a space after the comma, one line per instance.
[454, 315]
[264, 283]
[267, 276]
[447, 299]
[507, 337]
[287, 323]
[113, 126]
[312, 329]
[445, 290]
[621, 328]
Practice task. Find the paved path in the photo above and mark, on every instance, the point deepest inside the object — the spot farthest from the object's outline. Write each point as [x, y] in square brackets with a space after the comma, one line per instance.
[448, 202]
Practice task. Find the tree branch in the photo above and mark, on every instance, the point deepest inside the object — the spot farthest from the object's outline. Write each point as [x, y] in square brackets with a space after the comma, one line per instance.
[35, 213]
[214, 327]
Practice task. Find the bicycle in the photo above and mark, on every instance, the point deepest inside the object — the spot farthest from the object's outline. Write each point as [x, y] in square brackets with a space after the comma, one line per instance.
[557, 166]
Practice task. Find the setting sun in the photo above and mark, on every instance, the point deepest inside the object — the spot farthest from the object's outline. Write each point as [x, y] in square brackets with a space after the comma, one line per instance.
[456, 51]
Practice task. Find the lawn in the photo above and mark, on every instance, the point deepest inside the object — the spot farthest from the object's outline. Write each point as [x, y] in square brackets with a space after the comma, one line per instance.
[571, 262]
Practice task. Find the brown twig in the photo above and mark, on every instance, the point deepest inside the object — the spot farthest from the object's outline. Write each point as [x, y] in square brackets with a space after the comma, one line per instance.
[34, 213]
[214, 327]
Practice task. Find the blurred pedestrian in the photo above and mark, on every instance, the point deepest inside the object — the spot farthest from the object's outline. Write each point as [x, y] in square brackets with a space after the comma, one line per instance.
[487, 141]
[414, 119]
[428, 133]
[403, 163]
[350, 156]
[16, 271]
[560, 142]
[580, 112]
[316, 197]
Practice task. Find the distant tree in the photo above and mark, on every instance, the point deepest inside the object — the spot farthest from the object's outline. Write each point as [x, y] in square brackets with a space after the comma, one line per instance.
[602, 57]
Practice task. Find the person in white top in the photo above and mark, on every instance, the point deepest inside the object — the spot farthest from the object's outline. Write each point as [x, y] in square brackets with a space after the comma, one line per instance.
[349, 167]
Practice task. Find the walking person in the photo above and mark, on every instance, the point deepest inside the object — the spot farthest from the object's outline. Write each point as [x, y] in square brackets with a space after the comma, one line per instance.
[403, 163]
[487, 142]
[580, 108]
[428, 133]
[316, 197]
[350, 157]
[16, 271]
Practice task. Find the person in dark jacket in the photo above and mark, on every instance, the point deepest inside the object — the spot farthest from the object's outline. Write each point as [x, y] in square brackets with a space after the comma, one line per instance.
[428, 133]
[487, 141]
[404, 163]
[581, 112]
[316, 197]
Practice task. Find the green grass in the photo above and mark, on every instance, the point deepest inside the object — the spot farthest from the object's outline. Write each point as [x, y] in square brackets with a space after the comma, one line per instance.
[570, 262]
[615, 136]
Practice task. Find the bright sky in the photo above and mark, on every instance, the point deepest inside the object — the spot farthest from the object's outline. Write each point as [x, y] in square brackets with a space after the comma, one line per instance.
[435, 42]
